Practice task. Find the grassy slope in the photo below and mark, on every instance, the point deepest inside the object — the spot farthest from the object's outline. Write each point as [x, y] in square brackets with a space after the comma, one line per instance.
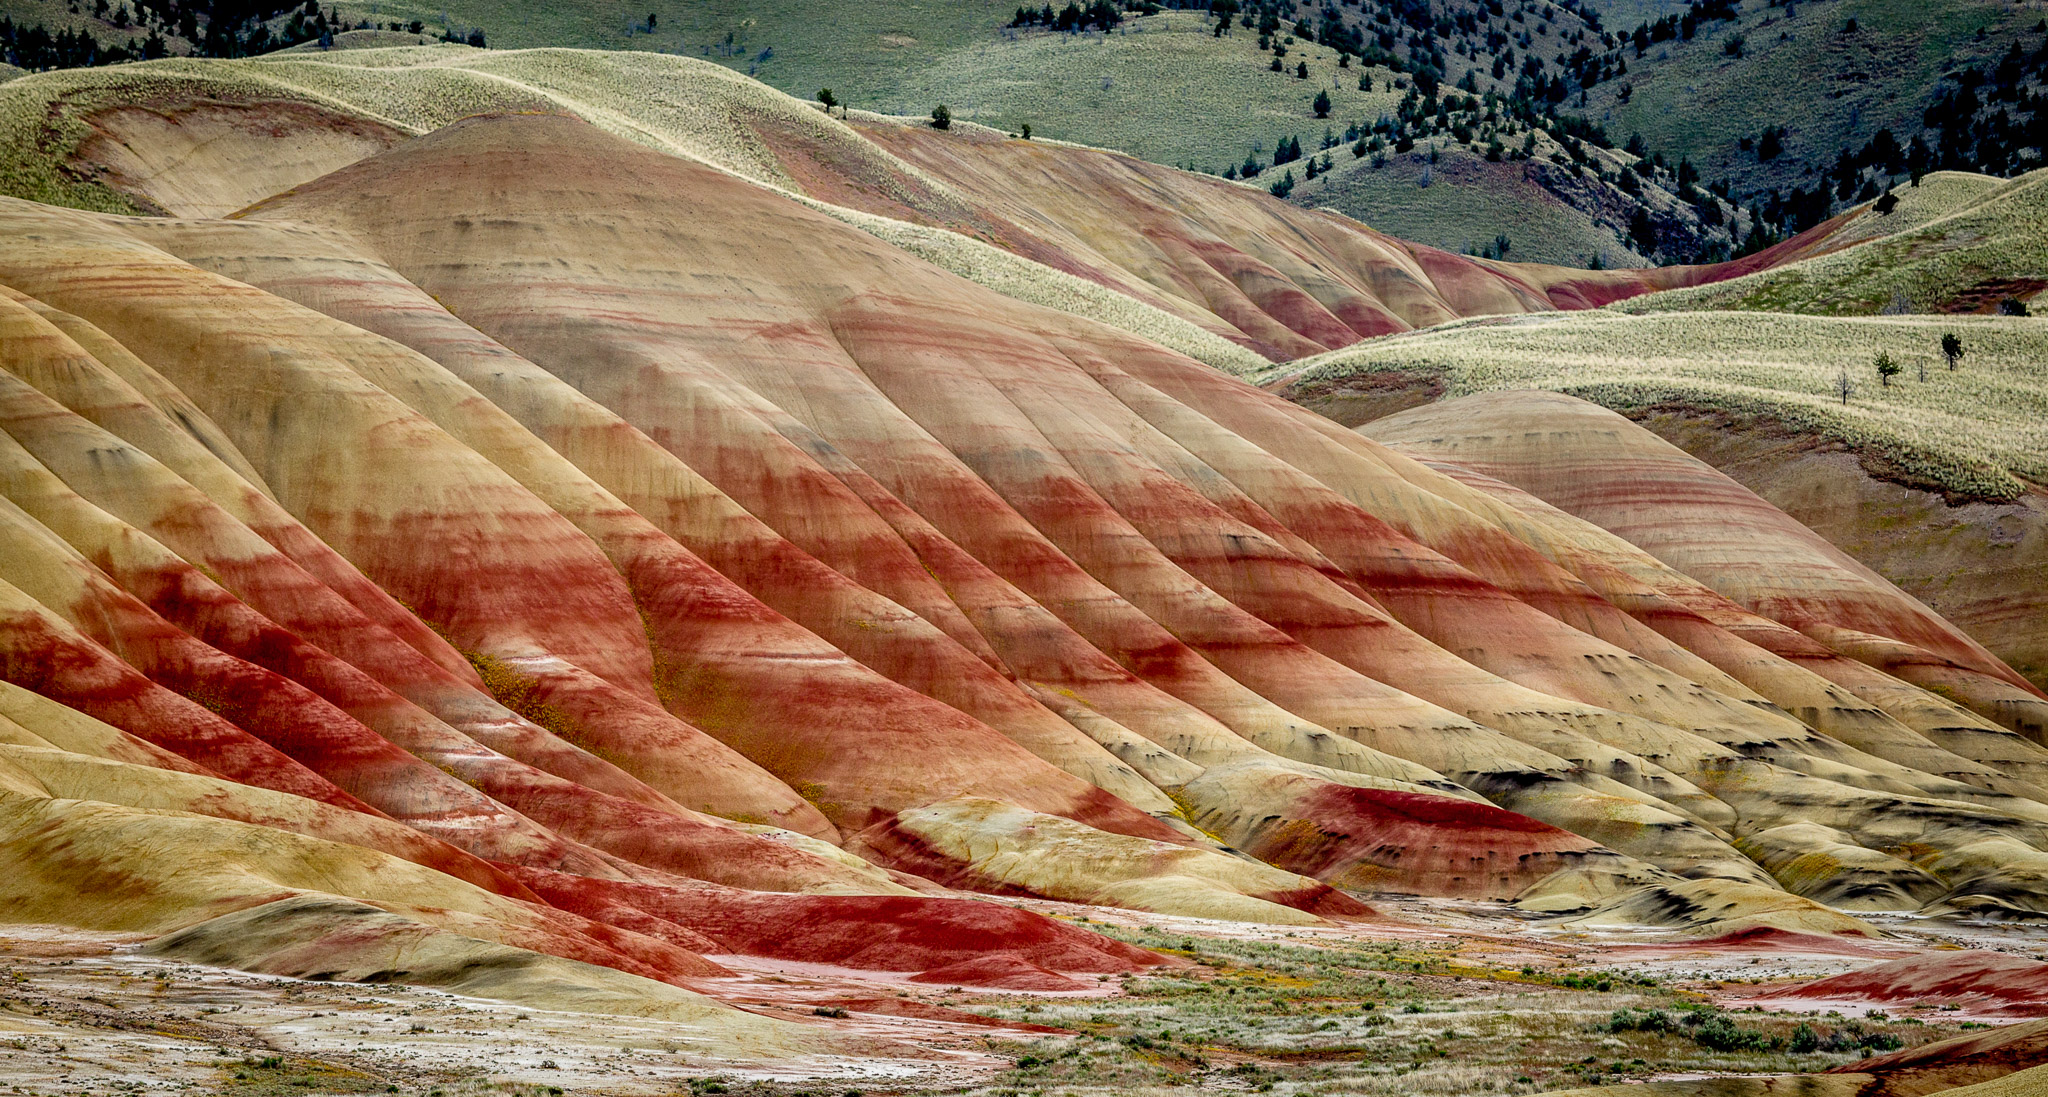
[57, 15]
[1976, 432]
[1164, 89]
[1161, 88]
[1697, 101]
[1621, 15]
[1947, 241]
[1467, 203]
[1470, 200]
[859, 50]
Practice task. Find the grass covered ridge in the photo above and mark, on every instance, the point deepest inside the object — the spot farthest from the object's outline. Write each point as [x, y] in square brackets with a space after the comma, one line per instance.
[1957, 243]
[1980, 432]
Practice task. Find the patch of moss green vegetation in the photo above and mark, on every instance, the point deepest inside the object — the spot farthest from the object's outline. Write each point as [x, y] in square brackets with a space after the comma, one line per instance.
[32, 152]
[282, 1075]
[292, 1076]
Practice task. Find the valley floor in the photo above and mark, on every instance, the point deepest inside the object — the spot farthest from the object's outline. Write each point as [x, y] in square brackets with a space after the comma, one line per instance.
[1440, 998]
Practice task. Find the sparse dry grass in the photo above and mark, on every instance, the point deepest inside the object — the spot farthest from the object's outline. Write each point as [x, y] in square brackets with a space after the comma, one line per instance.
[1021, 278]
[1978, 432]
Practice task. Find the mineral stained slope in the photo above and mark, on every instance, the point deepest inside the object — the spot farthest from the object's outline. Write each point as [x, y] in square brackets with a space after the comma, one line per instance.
[524, 539]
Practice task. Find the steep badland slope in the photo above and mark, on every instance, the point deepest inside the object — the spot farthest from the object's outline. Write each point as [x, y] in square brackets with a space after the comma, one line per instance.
[1980, 563]
[533, 537]
[729, 481]
[1805, 583]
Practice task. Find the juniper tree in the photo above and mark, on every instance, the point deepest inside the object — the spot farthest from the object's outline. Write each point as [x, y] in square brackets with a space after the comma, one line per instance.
[1951, 349]
[1886, 368]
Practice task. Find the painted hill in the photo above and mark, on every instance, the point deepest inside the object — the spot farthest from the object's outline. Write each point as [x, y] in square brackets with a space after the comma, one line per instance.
[1219, 270]
[1991, 983]
[1497, 435]
[1931, 479]
[532, 545]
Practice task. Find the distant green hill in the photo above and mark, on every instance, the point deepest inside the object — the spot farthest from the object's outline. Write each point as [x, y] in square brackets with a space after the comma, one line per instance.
[1799, 66]
[1160, 87]
[1452, 196]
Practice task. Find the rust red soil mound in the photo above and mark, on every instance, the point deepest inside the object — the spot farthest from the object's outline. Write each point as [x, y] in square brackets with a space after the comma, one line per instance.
[881, 932]
[1000, 970]
[1964, 1060]
[1985, 982]
[911, 1007]
[1767, 938]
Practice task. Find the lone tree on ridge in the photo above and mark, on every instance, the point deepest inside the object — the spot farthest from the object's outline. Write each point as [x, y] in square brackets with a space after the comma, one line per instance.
[1951, 349]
